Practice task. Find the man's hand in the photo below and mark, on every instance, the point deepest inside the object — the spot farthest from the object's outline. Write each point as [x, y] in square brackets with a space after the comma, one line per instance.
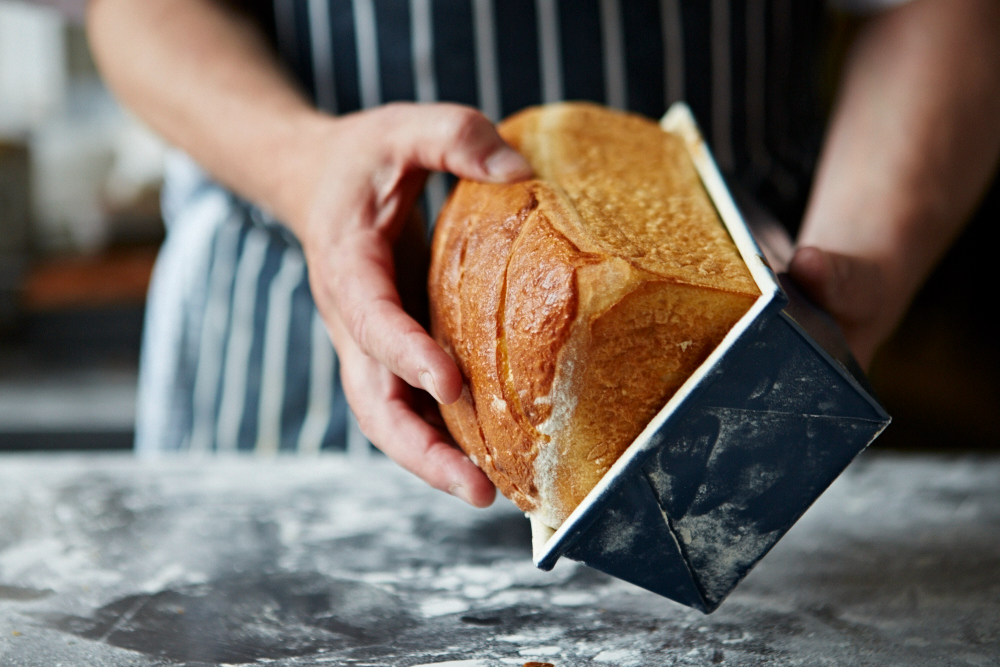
[201, 74]
[852, 290]
[376, 163]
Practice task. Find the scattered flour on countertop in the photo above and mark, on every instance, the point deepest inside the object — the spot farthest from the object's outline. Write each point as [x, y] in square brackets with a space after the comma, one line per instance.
[54, 563]
[166, 575]
[534, 635]
[433, 607]
[618, 656]
[540, 650]
[573, 599]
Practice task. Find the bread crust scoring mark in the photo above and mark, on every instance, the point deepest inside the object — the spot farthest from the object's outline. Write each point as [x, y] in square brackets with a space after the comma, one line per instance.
[507, 385]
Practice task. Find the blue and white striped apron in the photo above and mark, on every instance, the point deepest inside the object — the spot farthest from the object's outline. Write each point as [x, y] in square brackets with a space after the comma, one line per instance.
[235, 356]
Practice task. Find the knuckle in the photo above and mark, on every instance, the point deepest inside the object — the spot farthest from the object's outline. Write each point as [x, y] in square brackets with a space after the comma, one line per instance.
[466, 127]
[394, 355]
[368, 327]
[410, 343]
[393, 111]
[358, 323]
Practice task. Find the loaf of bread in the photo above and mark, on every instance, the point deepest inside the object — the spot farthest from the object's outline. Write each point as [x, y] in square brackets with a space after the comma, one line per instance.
[577, 303]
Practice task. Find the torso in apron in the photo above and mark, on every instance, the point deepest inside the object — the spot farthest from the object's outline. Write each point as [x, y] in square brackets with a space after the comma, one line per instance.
[749, 69]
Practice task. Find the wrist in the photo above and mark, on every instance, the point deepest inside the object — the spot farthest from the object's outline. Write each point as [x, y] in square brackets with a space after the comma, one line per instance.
[294, 168]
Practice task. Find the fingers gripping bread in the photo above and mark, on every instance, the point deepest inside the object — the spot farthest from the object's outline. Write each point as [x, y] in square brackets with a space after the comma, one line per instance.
[577, 303]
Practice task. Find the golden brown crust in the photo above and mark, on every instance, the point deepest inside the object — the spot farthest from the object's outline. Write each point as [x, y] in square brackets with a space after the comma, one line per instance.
[577, 303]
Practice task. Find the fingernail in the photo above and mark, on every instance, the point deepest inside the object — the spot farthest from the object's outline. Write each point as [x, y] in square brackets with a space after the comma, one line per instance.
[506, 163]
[460, 492]
[427, 382]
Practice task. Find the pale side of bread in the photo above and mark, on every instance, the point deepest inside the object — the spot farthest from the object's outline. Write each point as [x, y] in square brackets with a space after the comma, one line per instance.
[577, 303]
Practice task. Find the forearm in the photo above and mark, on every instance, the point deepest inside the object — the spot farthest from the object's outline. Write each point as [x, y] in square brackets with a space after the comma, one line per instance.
[913, 142]
[204, 78]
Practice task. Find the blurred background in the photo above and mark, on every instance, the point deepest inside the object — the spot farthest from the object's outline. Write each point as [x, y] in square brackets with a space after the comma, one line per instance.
[79, 229]
[80, 226]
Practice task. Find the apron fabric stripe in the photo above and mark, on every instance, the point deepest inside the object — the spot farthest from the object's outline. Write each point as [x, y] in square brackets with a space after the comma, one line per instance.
[212, 338]
[548, 50]
[487, 70]
[321, 379]
[644, 60]
[455, 51]
[344, 47]
[366, 37]
[756, 85]
[297, 365]
[291, 18]
[275, 354]
[240, 339]
[517, 52]
[583, 70]
[738, 79]
[673, 50]
[392, 24]
[721, 82]
[614, 54]
[255, 368]
[324, 81]
[696, 24]
[422, 29]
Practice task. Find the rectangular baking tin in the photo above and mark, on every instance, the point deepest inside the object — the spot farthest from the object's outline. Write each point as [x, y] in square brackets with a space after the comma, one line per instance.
[743, 448]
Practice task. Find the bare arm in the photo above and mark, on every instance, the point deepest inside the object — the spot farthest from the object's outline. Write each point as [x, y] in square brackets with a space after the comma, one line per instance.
[205, 79]
[913, 143]
[201, 75]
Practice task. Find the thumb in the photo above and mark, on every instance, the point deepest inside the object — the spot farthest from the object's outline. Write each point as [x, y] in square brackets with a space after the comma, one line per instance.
[851, 289]
[458, 139]
[813, 271]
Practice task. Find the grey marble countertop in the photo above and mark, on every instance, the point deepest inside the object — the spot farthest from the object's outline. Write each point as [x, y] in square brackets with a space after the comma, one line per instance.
[107, 560]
